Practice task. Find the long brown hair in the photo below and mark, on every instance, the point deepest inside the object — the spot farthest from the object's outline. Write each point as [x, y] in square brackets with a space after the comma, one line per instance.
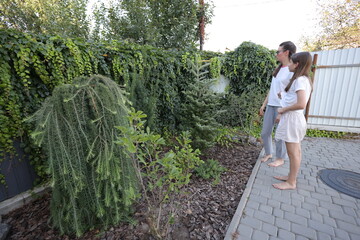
[303, 69]
[286, 46]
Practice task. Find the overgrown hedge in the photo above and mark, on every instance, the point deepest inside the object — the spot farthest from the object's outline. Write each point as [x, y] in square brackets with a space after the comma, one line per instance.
[32, 65]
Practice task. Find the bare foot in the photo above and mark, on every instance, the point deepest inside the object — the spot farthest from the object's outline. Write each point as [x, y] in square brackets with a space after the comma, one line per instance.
[276, 163]
[284, 186]
[266, 157]
[281, 178]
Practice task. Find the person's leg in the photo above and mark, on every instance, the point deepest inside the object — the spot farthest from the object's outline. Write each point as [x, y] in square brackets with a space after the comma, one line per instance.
[280, 153]
[268, 126]
[294, 152]
[280, 149]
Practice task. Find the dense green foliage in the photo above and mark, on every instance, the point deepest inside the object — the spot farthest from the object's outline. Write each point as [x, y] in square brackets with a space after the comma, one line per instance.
[161, 173]
[93, 180]
[166, 24]
[249, 68]
[32, 65]
[65, 18]
[160, 83]
[210, 169]
[200, 108]
[240, 111]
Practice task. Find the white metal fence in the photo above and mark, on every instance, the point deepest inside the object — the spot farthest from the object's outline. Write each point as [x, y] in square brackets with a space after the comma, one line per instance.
[335, 102]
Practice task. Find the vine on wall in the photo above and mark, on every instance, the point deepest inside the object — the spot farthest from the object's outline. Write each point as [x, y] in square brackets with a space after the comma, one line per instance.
[32, 65]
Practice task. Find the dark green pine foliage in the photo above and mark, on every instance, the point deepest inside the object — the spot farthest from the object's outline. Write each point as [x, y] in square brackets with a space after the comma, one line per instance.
[93, 181]
[200, 108]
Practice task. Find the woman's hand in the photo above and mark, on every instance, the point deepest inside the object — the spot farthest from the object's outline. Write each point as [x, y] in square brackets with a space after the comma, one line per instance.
[261, 111]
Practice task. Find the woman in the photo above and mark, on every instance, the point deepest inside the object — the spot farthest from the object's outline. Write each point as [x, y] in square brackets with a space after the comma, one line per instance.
[281, 78]
[292, 125]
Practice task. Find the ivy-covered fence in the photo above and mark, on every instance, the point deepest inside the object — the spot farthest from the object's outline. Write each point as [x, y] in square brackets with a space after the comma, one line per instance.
[156, 80]
[32, 65]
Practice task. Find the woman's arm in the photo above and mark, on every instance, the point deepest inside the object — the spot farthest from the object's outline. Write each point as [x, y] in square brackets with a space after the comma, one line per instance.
[300, 104]
[261, 111]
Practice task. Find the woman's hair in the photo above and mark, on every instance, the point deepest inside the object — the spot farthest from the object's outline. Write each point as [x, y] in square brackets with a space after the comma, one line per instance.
[286, 46]
[303, 69]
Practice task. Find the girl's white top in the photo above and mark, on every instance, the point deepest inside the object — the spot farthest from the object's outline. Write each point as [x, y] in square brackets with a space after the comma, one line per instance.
[278, 84]
[290, 97]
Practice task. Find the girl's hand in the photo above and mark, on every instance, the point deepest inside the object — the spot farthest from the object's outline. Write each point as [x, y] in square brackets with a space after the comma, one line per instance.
[281, 110]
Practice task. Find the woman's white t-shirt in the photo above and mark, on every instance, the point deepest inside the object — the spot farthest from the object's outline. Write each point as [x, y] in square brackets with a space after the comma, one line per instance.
[290, 97]
[278, 84]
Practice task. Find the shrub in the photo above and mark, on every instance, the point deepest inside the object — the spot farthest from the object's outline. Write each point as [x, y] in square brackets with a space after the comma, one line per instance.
[93, 180]
[210, 169]
[240, 111]
[200, 109]
[162, 174]
[249, 67]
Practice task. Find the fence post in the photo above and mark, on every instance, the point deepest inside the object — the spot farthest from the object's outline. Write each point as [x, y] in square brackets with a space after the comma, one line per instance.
[313, 69]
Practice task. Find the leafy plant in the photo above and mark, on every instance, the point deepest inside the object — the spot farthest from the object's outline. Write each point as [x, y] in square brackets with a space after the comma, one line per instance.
[226, 136]
[324, 133]
[93, 181]
[33, 65]
[210, 169]
[162, 174]
[240, 111]
[249, 68]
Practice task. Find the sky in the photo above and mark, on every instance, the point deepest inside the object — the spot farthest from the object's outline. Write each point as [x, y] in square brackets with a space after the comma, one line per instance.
[264, 22]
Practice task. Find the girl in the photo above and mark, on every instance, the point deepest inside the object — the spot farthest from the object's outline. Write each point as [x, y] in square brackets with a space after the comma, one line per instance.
[280, 80]
[292, 125]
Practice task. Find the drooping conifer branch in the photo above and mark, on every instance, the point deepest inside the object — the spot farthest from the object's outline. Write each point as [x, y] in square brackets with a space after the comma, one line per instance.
[93, 180]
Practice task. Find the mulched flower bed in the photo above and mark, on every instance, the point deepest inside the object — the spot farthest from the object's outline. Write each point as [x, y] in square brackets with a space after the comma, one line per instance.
[205, 213]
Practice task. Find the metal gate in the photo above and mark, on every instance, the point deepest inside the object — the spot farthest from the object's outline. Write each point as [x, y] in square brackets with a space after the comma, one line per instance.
[335, 102]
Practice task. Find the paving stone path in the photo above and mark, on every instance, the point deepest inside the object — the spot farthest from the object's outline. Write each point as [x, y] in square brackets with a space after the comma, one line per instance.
[312, 211]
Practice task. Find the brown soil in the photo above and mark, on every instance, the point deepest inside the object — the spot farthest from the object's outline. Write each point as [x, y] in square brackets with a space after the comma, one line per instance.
[205, 213]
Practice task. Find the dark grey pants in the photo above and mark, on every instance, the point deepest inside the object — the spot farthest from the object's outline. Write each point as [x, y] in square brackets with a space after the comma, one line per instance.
[266, 133]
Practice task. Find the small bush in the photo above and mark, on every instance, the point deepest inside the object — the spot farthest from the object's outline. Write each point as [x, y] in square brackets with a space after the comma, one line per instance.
[210, 169]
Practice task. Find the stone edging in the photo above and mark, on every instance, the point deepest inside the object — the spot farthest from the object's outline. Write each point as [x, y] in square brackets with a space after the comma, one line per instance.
[22, 199]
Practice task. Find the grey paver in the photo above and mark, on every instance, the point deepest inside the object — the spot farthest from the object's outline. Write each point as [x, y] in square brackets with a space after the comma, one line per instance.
[286, 235]
[342, 216]
[354, 236]
[270, 229]
[260, 235]
[245, 231]
[283, 224]
[323, 236]
[312, 211]
[320, 227]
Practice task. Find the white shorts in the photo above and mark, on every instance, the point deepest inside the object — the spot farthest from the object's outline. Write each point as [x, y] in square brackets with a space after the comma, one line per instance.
[292, 127]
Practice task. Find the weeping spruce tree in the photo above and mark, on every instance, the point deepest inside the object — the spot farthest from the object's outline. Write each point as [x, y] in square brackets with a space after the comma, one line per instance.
[93, 181]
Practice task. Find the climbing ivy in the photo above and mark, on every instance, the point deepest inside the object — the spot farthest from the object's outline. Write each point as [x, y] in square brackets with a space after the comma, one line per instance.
[31, 66]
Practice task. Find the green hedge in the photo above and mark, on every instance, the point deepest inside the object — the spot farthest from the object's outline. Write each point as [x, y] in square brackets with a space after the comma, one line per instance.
[32, 65]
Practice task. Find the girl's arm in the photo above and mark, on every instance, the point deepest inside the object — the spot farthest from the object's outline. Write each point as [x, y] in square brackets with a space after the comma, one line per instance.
[299, 105]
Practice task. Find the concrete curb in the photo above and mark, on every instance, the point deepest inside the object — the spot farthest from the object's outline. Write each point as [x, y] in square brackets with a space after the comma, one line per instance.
[232, 229]
[22, 199]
